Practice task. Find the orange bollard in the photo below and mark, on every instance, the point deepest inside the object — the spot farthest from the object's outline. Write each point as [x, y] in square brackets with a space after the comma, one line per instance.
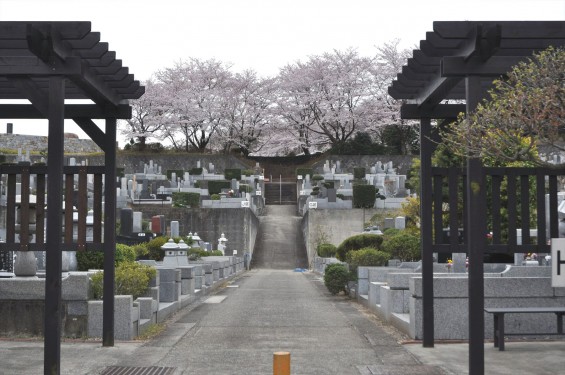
[281, 363]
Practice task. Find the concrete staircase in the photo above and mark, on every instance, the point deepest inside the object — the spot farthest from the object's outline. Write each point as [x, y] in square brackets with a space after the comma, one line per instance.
[280, 244]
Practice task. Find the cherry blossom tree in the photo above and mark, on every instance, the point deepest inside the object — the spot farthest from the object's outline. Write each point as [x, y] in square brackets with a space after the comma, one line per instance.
[196, 102]
[248, 113]
[147, 115]
[328, 98]
[398, 135]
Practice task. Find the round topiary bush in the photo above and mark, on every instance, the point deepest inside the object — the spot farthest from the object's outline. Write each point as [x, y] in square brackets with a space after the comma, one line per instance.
[368, 257]
[357, 242]
[336, 277]
[326, 250]
[403, 246]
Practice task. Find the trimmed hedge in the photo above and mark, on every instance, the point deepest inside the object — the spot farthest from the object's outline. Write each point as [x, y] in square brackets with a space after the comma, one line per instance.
[368, 256]
[215, 187]
[94, 260]
[131, 278]
[230, 174]
[184, 199]
[364, 196]
[357, 242]
[326, 250]
[196, 171]
[358, 173]
[403, 246]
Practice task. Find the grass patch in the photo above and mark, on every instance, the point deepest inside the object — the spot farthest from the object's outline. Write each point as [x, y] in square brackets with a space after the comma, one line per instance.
[154, 329]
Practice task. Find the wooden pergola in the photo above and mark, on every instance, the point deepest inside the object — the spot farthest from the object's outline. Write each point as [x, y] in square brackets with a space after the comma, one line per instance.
[47, 63]
[458, 61]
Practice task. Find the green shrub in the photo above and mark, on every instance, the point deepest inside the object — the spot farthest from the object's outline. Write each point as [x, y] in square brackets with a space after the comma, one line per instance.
[358, 242]
[329, 184]
[368, 256]
[215, 197]
[390, 232]
[358, 173]
[130, 279]
[94, 260]
[215, 187]
[304, 171]
[403, 246]
[90, 260]
[364, 196]
[340, 196]
[184, 199]
[326, 250]
[141, 250]
[196, 171]
[154, 248]
[120, 172]
[247, 172]
[124, 253]
[317, 177]
[230, 174]
[178, 172]
[196, 253]
[216, 253]
[336, 277]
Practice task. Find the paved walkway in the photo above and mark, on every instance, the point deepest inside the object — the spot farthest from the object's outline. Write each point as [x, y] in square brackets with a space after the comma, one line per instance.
[237, 330]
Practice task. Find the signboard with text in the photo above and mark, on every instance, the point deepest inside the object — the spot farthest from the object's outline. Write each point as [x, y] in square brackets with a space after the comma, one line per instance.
[557, 262]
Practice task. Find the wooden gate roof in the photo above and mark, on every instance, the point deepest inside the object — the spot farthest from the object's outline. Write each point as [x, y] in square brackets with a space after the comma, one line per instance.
[455, 49]
[31, 52]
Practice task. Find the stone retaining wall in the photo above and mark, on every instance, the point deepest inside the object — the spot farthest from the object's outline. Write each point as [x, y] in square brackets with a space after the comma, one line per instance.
[39, 143]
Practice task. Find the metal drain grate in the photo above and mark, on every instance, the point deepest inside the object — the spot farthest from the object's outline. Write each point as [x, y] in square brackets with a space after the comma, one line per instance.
[153, 370]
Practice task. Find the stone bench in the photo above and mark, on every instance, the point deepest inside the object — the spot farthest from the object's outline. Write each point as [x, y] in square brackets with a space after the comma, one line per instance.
[499, 312]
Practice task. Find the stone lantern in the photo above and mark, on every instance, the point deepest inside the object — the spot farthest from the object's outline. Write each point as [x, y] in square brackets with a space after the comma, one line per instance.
[222, 244]
[170, 248]
[182, 256]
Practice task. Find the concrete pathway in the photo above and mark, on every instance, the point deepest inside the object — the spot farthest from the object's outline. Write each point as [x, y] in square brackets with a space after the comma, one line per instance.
[237, 330]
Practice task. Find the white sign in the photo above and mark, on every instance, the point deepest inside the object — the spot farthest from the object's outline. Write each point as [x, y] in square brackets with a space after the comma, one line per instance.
[557, 262]
[258, 193]
[261, 178]
[312, 204]
[244, 203]
[299, 177]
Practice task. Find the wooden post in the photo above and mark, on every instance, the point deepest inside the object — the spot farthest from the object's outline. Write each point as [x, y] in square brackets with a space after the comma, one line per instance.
[281, 363]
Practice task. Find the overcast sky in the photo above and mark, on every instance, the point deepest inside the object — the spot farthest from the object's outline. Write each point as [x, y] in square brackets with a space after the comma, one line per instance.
[262, 35]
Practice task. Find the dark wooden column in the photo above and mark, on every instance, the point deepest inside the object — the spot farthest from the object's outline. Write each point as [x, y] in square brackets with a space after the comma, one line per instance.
[55, 152]
[476, 242]
[109, 232]
[426, 149]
